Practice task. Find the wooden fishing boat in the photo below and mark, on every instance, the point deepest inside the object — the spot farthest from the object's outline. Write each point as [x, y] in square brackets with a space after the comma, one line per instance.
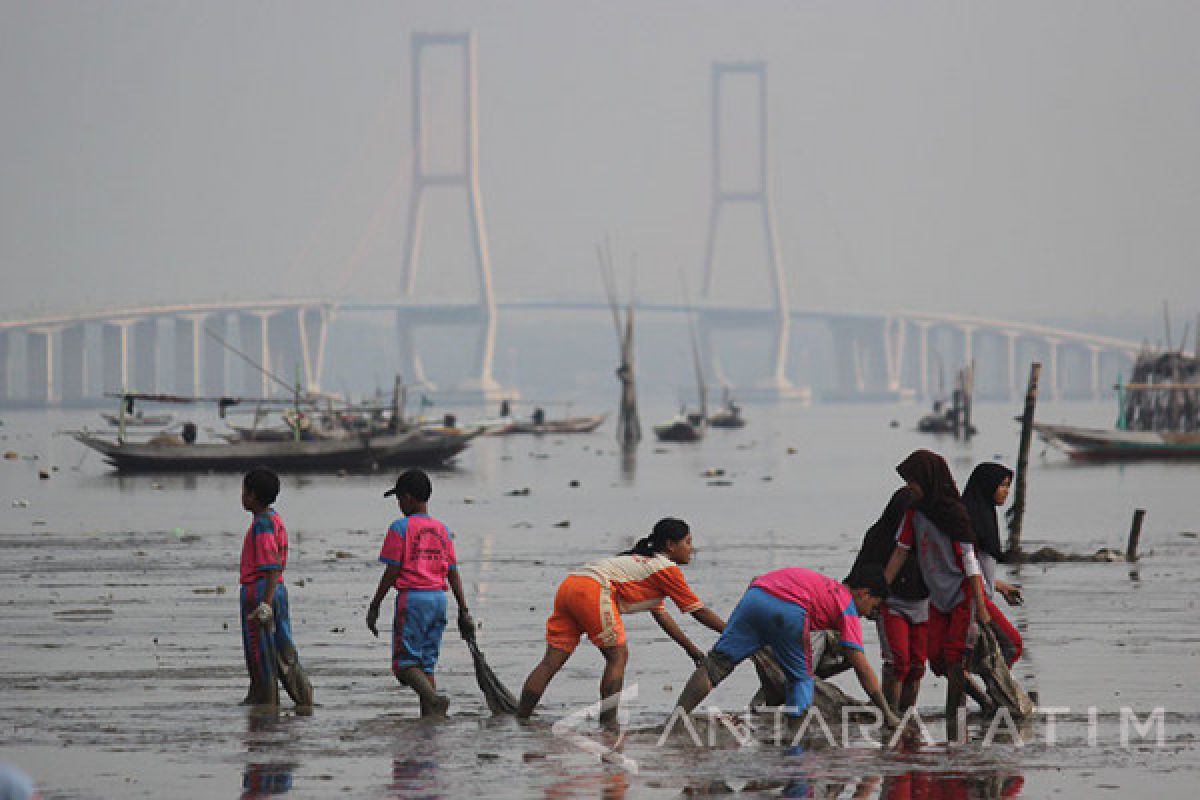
[730, 415]
[416, 447]
[585, 424]
[1098, 444]
[1158, 415]
[684, 428]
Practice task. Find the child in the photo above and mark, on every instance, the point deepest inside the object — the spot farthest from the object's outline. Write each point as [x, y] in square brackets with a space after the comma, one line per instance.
[418, 552]
[986, 489]
[592, 599]
[266, 625]
[903, 618]
[940, 531]
[781, 609]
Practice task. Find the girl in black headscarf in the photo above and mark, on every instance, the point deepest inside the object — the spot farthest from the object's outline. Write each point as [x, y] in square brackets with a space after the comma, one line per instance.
[987, 489]
[903, 617]
[939, 536]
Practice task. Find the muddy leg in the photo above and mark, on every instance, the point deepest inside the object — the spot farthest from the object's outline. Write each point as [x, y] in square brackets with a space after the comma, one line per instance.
[611, 683]
[539, 679]
[432, 703]
[908, 693]
[956, 679]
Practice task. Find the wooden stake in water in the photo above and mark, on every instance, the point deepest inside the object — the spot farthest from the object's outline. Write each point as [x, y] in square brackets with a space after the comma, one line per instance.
[1135, 533]
[1018, 507]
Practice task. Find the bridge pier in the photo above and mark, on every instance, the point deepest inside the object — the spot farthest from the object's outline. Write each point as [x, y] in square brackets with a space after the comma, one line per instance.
[74, 363]
[1055, 390]
[1011, 382]
[215, 357]
[39, 365]
[5, 381]
[313, 325]
[412, 369]
[923, 358]
[189, 347]
[115, 355]
[145, 355]
[254, 332]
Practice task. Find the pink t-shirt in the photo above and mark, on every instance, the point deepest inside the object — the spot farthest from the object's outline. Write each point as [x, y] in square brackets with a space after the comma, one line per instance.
[424, 550]
[265, 547]
[829, 604]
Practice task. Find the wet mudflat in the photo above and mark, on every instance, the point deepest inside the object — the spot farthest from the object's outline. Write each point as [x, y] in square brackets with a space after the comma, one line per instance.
[121, 667]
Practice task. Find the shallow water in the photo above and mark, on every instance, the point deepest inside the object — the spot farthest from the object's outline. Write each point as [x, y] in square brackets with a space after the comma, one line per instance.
[121, 667]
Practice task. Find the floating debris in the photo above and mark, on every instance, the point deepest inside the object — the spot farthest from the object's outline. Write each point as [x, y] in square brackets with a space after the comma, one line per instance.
[208, 590]
[566, 523]
[720, 483]
[714, 472]
[20, 504]
[518, 492]
[11, 455]
[468, 500]
[791, 451]
[43, 475]
[574, 484]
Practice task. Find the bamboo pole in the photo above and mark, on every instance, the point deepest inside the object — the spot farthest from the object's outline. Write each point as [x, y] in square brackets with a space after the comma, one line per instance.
[1018, 509]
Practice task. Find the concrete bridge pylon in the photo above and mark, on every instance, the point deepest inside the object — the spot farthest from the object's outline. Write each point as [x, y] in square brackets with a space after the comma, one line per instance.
[777, 323]
[481, 383]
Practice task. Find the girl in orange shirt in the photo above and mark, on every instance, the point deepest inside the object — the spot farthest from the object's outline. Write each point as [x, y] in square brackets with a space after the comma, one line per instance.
[591, 600]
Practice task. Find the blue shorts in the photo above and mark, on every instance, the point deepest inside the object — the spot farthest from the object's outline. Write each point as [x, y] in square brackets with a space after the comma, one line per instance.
[417, 629]
[761, 619]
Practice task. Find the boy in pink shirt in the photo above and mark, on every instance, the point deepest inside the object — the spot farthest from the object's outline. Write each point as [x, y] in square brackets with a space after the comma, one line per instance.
[781, 609]
[267, 639]
[418, 554]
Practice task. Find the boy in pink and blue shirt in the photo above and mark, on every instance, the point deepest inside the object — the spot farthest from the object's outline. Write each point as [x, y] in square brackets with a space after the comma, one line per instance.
[781, 609]
[267, 641]
[420, 562]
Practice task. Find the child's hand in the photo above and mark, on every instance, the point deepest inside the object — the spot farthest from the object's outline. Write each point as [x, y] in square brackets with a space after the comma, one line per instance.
[262, 614]
[1011, 594]
[372, 618]
[466, 625]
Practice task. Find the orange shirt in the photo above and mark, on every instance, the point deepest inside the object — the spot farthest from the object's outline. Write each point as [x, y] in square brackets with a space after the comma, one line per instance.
[639, 583]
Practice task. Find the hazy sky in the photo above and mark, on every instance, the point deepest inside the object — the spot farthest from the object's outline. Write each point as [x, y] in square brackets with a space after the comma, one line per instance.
[1019, 159]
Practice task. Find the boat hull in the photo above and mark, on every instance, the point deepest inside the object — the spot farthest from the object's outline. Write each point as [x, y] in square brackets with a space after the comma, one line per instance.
[553, 426]
[1096, 444]
[413, 448]
[678, 432]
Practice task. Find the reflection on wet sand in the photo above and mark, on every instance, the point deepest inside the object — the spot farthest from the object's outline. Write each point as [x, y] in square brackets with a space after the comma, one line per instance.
[911, 785]
[264, 780]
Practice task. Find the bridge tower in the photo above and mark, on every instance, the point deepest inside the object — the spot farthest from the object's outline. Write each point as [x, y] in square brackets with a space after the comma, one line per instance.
[482, 385]
[775, 385]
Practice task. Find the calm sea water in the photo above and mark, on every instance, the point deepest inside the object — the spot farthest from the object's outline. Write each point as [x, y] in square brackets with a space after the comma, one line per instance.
[120, 660]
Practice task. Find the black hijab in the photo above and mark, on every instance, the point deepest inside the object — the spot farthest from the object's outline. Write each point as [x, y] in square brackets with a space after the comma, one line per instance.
[979, 496]
[940, 502]
[880, 541]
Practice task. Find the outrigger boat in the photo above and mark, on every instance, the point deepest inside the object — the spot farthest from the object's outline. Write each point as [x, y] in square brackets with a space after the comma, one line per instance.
[1158, 415]
[343, 450]
[418, 447]
[542, 425]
